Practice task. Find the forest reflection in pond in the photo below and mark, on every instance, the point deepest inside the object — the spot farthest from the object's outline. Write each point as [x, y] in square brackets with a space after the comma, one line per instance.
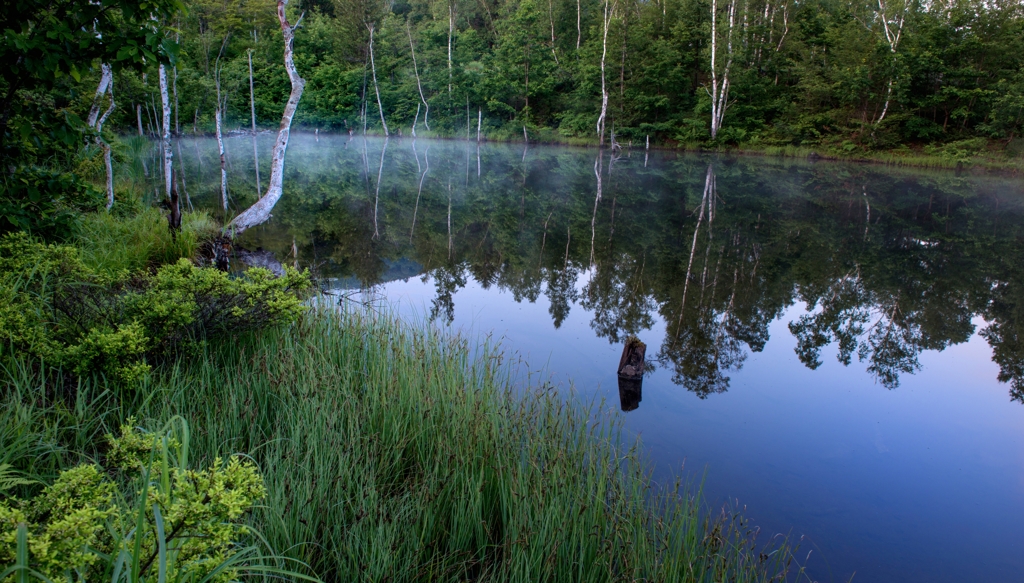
[890, 263]
[786, 294]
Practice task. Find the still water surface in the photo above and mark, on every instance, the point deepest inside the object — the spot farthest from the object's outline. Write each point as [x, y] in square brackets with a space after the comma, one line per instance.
[839, 347]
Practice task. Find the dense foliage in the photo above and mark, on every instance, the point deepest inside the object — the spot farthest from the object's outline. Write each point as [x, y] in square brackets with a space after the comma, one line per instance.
[157, 517]
[846, 75]
[54, 310]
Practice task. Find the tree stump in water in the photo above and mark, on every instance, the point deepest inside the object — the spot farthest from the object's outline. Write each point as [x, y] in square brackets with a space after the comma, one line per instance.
[631, 373]
[631, 365]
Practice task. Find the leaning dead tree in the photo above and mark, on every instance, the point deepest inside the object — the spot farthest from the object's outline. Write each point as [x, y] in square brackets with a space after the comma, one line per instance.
[719, 91]
[376, 89]
[260, 211]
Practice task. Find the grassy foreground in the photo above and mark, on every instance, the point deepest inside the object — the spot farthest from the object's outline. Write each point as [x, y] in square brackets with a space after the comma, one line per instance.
[390, 454]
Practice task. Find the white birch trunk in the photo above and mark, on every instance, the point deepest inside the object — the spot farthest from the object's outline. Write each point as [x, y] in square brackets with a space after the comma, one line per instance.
[106, 147]
[223, 160]
[376, 90]
[579, 30]
[415, 121]
[252, 111]
[451, 27]
[174, 86]
[479, 122]
[260, 211]
[106, 78]
[165, 132]
[415, 69]
[604, 89]
[138, 117]
[719, 91]
[893, 33]
[551, 19]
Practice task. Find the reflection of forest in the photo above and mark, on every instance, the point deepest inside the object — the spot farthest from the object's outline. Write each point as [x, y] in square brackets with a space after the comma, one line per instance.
[889, 263]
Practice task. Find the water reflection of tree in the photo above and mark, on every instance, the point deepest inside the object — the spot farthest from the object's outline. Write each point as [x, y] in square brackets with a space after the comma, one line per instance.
[934, 255]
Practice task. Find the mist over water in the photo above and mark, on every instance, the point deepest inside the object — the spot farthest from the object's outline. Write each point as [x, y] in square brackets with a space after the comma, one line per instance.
[838, 346]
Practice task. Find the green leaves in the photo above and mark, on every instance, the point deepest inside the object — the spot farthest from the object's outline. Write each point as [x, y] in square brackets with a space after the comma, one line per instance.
[184, 526]
[54, 309]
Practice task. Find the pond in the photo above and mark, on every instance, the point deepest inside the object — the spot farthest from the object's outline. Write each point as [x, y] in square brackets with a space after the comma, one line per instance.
[835, 349]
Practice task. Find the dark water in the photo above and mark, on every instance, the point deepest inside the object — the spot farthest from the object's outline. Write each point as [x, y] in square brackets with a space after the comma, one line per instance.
[838, 346]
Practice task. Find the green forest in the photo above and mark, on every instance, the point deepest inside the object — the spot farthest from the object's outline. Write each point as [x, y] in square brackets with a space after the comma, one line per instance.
[944, 78]
[169, 414]
[853, 75]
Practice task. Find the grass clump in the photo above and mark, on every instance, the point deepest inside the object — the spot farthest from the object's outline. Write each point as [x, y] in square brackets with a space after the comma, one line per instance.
[392, 455]
[114, 244]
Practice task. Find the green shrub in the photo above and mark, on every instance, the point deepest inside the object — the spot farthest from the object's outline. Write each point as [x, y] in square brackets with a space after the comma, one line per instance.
[46, 203]
[168, 522]
[54, 309]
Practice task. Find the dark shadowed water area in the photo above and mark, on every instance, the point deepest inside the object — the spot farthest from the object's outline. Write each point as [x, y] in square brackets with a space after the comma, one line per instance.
[837, 346]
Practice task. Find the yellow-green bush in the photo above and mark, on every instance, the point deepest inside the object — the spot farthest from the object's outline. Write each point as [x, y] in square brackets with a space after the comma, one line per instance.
[170, 519]
[58, 311]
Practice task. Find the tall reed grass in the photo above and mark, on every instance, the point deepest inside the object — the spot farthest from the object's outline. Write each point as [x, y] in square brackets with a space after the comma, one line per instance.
[111, 243]
[392, 455]
[396, 452]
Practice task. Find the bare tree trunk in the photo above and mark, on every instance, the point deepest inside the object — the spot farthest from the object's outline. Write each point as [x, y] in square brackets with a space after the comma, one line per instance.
[223, 160]
[174, 85]
[451, 28]
[551, 19]
[719, 91]
[138, 117]
[893, 33]
[579, 30]
[479, 121]
[174, 218]
[218, 116]
[106, 147]
[376, 90]
[165, 133]
[184, 186]
[604, 88]
[106, 78]
[415, 120]
[415, 69]
[252, 111]
[260, 211]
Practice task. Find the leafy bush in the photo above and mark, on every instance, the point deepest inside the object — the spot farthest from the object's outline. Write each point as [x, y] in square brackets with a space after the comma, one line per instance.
[56, 310]
[169, 521]
[45, 202]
